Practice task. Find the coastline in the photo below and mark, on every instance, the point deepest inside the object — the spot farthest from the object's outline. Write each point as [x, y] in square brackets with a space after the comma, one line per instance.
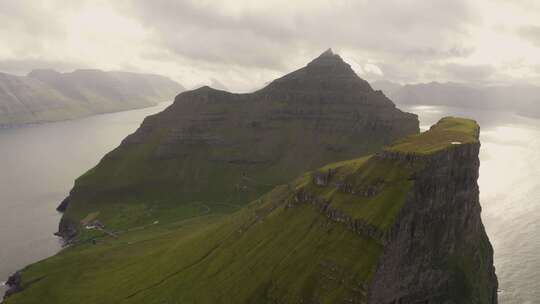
[32, 124]
[52, 176]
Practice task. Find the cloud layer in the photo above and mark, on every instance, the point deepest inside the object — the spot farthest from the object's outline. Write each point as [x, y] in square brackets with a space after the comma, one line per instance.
[243, 44]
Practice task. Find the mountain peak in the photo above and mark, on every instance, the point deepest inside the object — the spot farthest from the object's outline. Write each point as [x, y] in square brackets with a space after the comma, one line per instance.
[328, 52]
[329, 58]
[328, 71]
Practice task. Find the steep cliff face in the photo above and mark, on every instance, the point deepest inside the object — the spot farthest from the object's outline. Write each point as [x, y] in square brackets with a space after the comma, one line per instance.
[217, 147]
[13, 284]
[437, 250]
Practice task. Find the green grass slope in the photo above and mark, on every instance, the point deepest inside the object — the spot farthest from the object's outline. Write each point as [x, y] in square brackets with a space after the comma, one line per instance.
[264, 253]
[447, 132]
[280, 248]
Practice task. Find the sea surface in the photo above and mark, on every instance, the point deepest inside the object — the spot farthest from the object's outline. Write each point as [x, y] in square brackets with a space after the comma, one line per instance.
[38, 165]
[509, 194]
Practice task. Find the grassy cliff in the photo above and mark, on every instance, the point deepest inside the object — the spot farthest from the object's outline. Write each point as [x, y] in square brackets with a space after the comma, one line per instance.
[322, 238]
[447, 132]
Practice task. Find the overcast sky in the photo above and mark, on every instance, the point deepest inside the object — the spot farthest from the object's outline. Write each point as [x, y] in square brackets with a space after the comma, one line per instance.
[244, 44]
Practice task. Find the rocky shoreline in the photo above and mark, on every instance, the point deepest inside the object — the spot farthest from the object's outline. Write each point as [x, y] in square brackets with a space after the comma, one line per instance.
[13, 284]
[67, 230]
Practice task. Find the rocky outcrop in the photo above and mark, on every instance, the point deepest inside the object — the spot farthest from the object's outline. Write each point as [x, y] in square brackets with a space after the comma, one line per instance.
[323, 178]
[63, 205]
[358, 226]
[67, 230]
[437, 251]
[14, 284]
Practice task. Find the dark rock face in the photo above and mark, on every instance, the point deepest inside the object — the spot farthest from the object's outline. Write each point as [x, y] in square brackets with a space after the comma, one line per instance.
[358, 226]
[322, 178]
[438, 251]
[14, 284]
[63, 205]
[67, 230]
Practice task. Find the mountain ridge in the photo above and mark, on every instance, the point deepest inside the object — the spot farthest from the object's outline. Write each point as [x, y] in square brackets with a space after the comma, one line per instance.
[519, 99]
[45, 95]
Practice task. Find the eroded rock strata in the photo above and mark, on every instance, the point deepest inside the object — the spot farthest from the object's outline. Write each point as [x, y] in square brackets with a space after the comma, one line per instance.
[437, 250]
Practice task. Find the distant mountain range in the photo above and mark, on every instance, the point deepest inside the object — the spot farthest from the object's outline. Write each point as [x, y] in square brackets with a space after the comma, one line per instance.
[47, 95]
[520, 99]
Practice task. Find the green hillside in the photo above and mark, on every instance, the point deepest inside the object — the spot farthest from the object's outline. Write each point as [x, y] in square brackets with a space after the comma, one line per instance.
[214, 151]
[317, 239]
[447, 132]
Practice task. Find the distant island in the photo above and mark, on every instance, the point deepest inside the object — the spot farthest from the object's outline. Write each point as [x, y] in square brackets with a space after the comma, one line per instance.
[519, 99]
[48, 95]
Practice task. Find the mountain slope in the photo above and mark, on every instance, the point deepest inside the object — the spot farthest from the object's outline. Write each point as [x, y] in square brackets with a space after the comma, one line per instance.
[46, 95]
[400, 226]
[214, 150]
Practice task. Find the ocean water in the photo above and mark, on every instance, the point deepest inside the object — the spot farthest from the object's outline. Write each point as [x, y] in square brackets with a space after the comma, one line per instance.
[509, 194]
[38, 165]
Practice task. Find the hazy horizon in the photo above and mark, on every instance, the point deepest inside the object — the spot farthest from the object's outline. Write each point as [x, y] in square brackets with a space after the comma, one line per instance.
[243, 45]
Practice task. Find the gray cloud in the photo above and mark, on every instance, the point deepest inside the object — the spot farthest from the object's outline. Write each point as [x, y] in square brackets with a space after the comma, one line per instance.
[29, 26]
[269, 36]
[531, 33]
[245, 44]
[468, 73]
